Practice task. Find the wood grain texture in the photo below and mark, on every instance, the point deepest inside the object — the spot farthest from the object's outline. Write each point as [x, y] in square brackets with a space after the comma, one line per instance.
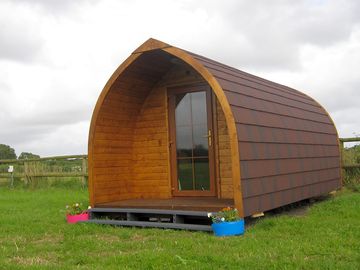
[230, 121]
[126, 121]
[278, 129]
[282, 132]
[150, 153]
[224, 155]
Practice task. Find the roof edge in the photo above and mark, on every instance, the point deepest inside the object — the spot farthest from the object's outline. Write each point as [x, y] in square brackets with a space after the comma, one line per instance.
[151, 44]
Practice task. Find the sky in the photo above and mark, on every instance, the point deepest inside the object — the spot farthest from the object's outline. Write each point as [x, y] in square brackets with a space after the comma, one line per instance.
[56, 56]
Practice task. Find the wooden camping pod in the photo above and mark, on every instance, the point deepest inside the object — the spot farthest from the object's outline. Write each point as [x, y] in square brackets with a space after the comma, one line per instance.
[270, 145]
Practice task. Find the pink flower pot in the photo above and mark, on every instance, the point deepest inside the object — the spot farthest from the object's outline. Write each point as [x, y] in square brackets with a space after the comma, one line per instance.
[77, 218]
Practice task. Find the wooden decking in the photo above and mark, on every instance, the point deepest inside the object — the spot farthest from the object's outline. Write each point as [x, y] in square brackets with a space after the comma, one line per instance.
[179, 203]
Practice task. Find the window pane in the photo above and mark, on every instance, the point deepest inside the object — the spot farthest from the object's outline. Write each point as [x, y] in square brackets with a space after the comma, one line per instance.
[202, 177]
[183, 141]
[200, 146]
[185, 174]
[183, 110]
[198, 106]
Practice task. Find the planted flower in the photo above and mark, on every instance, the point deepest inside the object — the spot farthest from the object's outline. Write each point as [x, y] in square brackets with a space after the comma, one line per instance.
[227, 222]
[226, 214]
[76, 212]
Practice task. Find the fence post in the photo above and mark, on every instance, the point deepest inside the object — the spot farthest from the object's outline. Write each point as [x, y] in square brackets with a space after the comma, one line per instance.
[11, 171]
[342, 161]
[26, 173]
[84, 171]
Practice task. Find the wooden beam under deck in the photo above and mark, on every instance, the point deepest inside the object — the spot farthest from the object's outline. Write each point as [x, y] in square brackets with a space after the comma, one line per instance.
[183, 203]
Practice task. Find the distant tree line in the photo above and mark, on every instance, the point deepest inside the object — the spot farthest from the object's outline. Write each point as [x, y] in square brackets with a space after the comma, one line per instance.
[7, 152]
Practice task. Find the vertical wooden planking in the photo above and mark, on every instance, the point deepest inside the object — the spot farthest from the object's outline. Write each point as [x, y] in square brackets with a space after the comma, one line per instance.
[225, 167]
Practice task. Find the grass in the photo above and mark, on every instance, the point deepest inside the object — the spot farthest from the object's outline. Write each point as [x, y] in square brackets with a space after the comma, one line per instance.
[34, 235]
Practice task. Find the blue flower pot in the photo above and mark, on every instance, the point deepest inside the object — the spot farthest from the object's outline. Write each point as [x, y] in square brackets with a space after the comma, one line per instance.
[229, 228]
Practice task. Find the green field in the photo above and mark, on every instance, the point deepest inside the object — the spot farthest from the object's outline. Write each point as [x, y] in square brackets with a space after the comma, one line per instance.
[34, 235]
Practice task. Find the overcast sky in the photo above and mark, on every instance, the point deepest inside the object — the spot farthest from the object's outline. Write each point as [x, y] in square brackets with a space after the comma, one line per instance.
[56, 56]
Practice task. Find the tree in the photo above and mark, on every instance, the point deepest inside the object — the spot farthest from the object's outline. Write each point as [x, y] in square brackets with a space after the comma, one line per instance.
[6, 152]
[27, 155]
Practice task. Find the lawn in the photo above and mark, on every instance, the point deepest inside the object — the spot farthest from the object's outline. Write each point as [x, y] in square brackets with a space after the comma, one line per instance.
[34, 235]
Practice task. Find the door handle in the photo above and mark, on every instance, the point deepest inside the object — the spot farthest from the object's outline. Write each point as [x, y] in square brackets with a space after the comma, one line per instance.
[208, 136]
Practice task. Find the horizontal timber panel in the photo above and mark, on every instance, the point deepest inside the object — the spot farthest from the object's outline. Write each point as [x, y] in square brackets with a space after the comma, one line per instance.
[113, 136]
[258, 186]
[150, 176]
[153, 156]
[112, 163]
[150, 169]
[225, 153]
[226, 173]
[252, 103]
[273, 200]
[116, 189]
[150, 130]
[241, 75]
[130, 75]
[111, 129]
[150, 189]
[223, 138]
[250, 169]
[127, 110]
[120, 99]
[152, 195]
[150, 123]
[111, 197]
[109, 157]
[152, 117]
[252, 150]
[120, 177]
[142, 136]
[123, 102]
[113, 170]
[152, 149]
[253, 133]
[148, 143]
[105, 144]
[228, 82]
[117, 120]
[129, 90]
[248, 116]
[253, 92]
[104, 185]
[113, 150]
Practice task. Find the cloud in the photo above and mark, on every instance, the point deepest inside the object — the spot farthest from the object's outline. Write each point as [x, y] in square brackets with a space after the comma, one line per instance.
[61, 140]
[268, 35]
[56, 56]
[53, 6]
[20, 39]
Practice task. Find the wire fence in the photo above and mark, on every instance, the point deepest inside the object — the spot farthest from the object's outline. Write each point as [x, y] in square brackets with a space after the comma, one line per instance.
[34, 172]
[31, 172]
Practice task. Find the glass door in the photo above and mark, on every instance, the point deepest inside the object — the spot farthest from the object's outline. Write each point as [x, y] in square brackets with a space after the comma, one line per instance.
[191, 141]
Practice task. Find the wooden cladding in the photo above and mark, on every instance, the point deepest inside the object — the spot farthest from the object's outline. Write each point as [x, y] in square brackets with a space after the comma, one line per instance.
[223, 157]
[129, 141]
[274, 145]
[288, 143]
[150, 177]
[131, 154]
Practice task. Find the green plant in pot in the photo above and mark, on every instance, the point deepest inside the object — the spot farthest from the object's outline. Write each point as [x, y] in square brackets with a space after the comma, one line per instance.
[76, 212]
[227, 222]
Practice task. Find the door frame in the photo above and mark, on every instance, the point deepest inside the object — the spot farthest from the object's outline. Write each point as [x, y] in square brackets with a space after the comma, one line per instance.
[171, 93]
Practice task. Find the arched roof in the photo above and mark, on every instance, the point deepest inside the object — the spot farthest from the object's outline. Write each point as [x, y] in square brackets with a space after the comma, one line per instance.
[275, 131]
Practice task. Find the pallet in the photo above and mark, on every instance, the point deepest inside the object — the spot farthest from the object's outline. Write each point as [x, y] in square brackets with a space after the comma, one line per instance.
[151, 218]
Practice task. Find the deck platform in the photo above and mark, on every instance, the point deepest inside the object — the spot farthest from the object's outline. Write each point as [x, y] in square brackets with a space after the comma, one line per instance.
[175, 213]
